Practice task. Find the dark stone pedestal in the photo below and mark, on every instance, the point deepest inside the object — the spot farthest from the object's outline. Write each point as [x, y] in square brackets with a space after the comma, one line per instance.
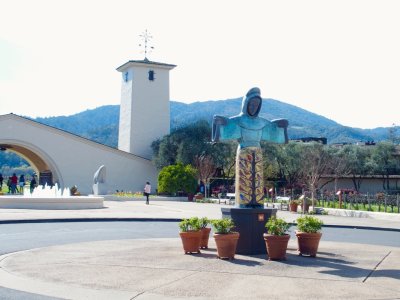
[250, 223]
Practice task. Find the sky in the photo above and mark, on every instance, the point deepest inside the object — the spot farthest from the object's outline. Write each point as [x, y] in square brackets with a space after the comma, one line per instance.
[339, 59]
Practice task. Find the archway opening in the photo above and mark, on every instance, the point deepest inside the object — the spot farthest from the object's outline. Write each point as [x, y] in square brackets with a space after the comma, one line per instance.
[24, 164]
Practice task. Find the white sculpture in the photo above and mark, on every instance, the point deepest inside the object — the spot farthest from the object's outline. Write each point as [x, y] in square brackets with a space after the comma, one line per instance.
[99, 181]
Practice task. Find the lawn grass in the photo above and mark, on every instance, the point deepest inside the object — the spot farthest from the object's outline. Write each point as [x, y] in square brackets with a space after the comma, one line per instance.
[373, 207]
[359, 206]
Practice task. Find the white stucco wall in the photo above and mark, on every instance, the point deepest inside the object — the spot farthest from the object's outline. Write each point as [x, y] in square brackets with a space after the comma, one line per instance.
[125, 112]
[145, 107]
[74, 160]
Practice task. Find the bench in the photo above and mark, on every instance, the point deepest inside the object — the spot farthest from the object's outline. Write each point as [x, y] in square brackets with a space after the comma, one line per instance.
[229, 198]
[216, 200]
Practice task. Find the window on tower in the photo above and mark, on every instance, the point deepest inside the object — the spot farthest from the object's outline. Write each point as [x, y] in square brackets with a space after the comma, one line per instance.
[151, 75]
[126, 76]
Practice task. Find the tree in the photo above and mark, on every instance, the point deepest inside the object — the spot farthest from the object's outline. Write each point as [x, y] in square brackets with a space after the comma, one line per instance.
[174, 178]
[393, 134]
[273, 159]
[11, 162]
[315, 162]
[357, 163]
[290, 161]
[205, 168]
[285, 163]
[384, 162]
[182, 145]
[224, 157]
[164, 152]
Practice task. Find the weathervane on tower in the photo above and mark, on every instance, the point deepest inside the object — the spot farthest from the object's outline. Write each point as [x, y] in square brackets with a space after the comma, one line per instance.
[146, 37]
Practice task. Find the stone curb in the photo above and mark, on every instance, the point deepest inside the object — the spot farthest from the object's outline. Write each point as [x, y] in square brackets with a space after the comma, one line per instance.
[70, 220]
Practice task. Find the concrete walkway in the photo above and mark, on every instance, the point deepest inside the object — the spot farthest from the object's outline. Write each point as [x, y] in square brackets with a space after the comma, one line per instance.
[136, 209]
[158, 268]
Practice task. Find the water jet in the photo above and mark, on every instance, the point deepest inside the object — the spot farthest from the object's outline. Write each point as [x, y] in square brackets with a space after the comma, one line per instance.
[50, 198]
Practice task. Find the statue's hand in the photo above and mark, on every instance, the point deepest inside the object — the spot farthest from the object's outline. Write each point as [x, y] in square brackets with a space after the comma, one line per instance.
[281, 123]
[219, 120]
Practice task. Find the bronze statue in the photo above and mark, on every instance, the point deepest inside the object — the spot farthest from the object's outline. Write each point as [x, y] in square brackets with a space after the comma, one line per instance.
[249, 129]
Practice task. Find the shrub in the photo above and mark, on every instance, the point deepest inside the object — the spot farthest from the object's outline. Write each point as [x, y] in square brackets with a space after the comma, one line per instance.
[309, 224]
[223, 225]
[204, 222]
[277, 226]
[176, 178]
[192, 224]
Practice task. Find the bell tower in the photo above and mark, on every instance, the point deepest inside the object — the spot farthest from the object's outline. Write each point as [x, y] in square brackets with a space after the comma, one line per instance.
[145, 108]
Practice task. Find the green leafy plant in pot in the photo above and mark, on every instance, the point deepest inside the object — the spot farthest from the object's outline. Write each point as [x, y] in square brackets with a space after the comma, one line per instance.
[277, 238]
[190, 235]
[308, 235]
[225, 238]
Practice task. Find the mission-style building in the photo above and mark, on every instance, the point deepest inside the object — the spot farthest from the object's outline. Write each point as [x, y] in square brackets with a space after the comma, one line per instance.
[64, 158]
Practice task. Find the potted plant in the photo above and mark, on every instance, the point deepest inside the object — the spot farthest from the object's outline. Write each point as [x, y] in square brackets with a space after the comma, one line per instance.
[293, 204]
[199, 196]
[308, 235]
[190, 235]
[190, 197]
[205, 232]
[225, 239]
[277, 238]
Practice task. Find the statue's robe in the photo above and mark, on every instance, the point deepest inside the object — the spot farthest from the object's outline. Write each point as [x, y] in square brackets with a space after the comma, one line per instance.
[249, 130]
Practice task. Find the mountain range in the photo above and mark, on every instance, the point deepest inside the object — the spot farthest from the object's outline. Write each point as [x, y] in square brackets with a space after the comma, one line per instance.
[101, 124]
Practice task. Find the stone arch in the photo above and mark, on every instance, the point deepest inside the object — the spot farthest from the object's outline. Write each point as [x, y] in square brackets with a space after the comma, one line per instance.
[72, 159]
[35, 156]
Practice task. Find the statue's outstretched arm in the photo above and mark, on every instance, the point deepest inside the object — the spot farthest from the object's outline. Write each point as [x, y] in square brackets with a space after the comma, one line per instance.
[218, 121]
[282, 123]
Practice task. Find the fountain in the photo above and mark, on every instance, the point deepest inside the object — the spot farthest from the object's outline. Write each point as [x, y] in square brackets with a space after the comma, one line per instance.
[47, 192]
[47, 197]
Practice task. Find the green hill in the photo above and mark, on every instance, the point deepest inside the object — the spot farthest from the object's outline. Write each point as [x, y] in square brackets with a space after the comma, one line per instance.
[101, 124]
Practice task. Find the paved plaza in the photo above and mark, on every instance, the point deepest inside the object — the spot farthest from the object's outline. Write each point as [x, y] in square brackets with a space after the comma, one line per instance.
[158, 268]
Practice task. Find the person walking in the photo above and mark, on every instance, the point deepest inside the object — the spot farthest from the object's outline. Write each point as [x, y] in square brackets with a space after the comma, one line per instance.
[9, 184]
[32, 185]
[21, 183]
[1, 181]
[147, 191]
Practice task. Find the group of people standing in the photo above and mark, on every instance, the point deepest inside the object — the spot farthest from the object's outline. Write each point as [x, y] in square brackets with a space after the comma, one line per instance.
[16, 185]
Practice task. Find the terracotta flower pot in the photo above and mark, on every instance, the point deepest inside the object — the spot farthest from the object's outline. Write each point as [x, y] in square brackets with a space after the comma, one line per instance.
[191, 241]
[293, 207]
[276, 245]
[308, 243]
[205, 233]
[226, 244]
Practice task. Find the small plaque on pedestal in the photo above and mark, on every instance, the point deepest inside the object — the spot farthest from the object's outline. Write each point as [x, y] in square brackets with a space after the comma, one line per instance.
[250, 223]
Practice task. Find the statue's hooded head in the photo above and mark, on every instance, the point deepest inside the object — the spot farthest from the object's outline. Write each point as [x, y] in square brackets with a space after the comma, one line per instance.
[251, 104]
